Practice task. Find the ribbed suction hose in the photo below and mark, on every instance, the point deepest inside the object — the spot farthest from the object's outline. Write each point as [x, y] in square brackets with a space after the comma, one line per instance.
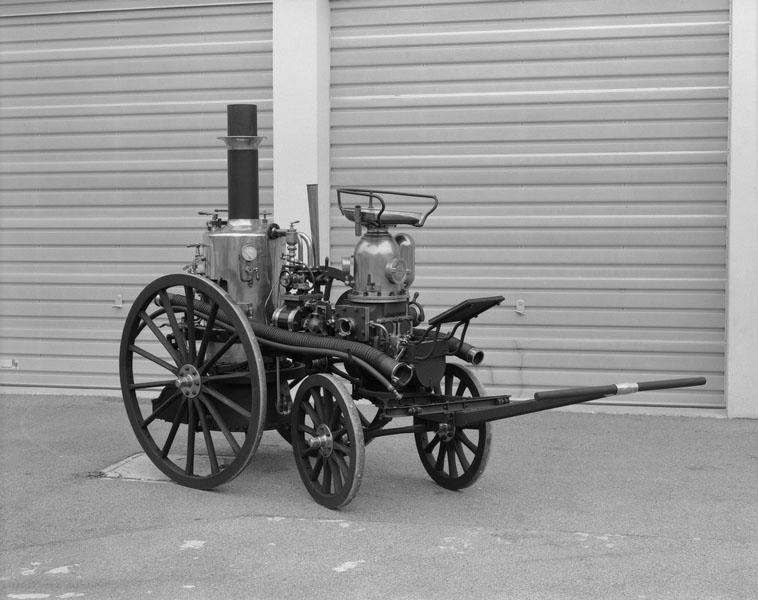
[398, 373]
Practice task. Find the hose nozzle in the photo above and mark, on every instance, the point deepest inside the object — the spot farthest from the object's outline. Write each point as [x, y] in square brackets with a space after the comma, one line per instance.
[402, 374]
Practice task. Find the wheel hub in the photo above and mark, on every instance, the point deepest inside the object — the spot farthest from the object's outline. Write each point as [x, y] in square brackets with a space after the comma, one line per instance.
[189, 381]
[446, 432]
[323, 440]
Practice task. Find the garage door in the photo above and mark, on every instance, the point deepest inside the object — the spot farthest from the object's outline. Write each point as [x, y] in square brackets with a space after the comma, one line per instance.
[579, 152]
[109, 118]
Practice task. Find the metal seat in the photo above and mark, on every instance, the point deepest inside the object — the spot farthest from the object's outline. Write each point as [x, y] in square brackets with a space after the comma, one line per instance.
[370, 216]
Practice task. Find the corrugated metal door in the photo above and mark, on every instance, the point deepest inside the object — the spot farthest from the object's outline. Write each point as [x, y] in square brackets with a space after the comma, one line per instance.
[579, 152]
[110, 113]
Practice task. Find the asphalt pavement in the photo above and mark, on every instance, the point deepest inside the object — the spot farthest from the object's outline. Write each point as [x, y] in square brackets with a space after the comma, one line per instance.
[572, 505]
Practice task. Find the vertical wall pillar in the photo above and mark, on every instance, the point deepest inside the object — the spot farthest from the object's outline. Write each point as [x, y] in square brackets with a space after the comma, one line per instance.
[301, 111]
[742, 291]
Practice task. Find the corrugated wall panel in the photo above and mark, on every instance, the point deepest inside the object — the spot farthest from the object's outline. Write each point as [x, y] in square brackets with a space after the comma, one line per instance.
[109, 118]
[579, 151]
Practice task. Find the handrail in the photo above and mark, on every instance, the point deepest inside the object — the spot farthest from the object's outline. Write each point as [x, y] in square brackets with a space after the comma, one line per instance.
[371, 194]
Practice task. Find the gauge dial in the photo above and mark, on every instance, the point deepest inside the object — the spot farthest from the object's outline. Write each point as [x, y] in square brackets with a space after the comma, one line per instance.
[249, 253]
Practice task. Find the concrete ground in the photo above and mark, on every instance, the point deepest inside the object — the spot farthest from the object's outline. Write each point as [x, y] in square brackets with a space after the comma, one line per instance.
[572, 505]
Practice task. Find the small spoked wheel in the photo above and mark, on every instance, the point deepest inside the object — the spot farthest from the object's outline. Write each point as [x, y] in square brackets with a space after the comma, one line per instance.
[327, 440]
[454, 457]
[193, 380]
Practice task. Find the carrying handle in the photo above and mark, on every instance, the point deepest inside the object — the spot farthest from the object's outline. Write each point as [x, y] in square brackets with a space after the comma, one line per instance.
[602, 391]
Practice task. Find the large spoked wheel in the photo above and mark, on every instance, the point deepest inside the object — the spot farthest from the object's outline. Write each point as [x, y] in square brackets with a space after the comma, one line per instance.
[454, 457]
[327, 440]
[193, 380]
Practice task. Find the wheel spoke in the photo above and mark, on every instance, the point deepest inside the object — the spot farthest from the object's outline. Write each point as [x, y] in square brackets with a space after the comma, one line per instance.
[209, 323]
[336, 415]
[174, 428]
[161, 338]
[189, 317]
[221, 424]
[189, 467]
[452, 466]
[311, 412]
[317, 466]
[462, 457]
[309, 452]
[178, 335]
[151, 357]
[326, 485]
[441, 458]
[462, 387]
[207, 436]
[341, 463]
[328, 408]
[448, 384]
[345, 450]
[161, 406]
[318, 404]
[230, 403]
[461, 436]
[432, 444]
[336, 475]
[151, 384]
[215, 358]
[305, 429]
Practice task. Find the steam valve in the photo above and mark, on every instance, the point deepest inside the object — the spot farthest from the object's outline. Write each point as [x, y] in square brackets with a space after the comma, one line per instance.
[198, 261]
[216, 222]
[290, 236]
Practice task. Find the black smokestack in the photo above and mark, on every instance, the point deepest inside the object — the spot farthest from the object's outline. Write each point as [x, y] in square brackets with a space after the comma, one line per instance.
[242, 161]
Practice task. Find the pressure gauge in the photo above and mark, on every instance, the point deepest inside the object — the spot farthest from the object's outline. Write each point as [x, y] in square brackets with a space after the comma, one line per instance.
[249, 253]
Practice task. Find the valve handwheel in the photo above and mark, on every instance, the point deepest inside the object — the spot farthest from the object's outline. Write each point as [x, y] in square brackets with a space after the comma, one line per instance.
[454, 457]
[193, 380]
